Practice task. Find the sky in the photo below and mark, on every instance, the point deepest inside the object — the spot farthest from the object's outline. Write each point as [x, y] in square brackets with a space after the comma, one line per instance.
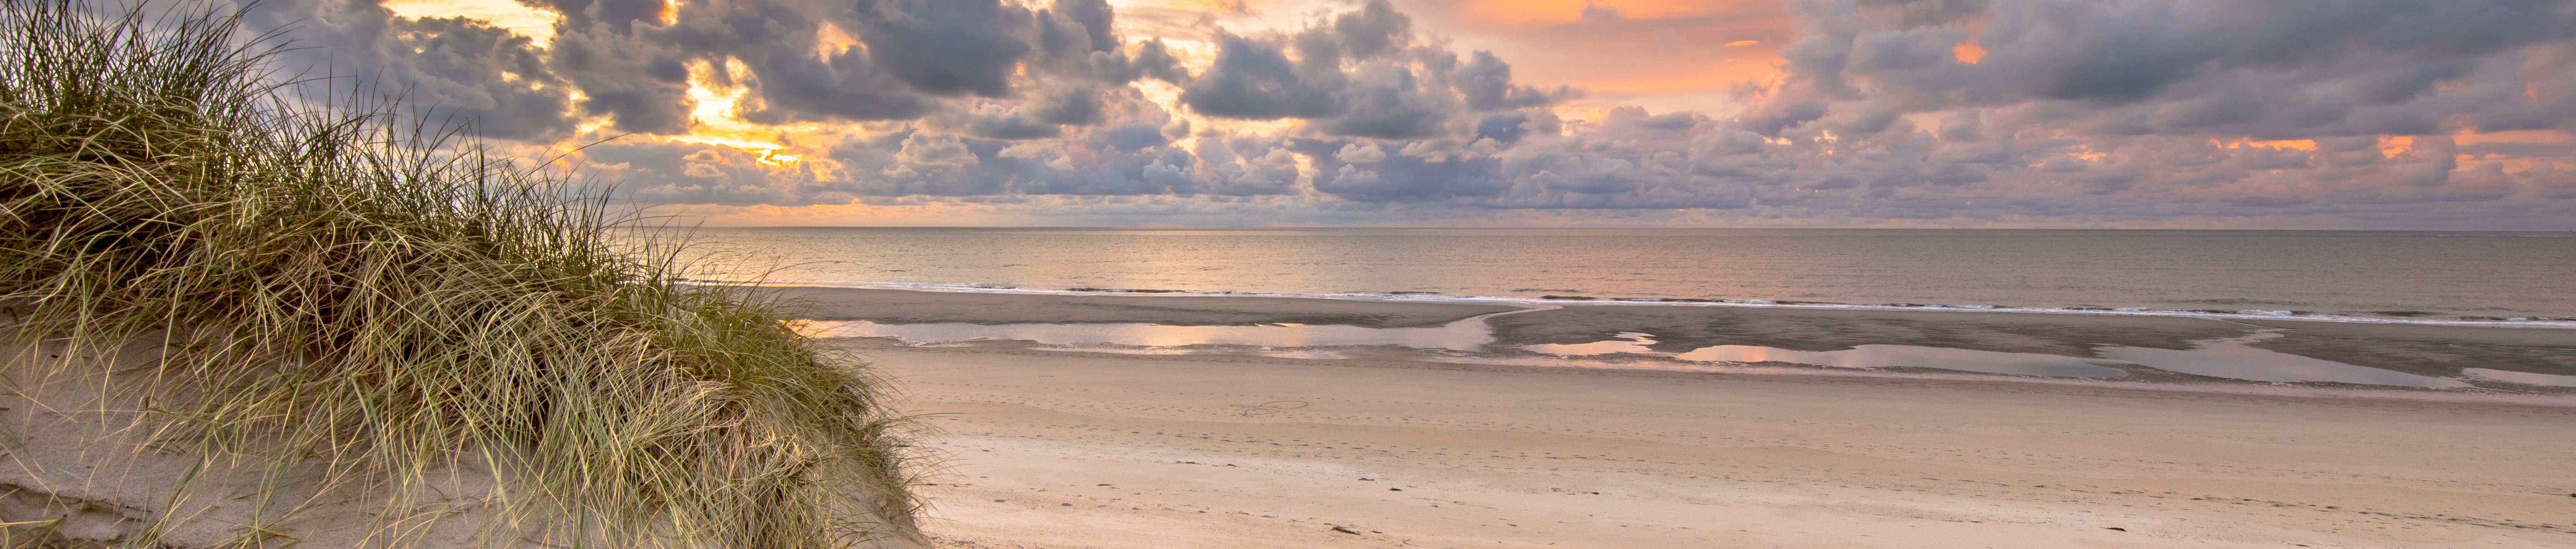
[2257, 114]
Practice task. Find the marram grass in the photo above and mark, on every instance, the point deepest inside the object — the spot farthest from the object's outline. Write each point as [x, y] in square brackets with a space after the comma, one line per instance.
[335, 292]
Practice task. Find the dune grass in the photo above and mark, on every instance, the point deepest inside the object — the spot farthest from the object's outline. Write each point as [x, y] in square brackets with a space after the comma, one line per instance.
[351, 293]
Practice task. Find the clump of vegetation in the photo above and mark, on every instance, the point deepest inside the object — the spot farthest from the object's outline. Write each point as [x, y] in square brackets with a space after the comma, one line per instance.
[349, 293]
[1569, 297]
[2404, 314]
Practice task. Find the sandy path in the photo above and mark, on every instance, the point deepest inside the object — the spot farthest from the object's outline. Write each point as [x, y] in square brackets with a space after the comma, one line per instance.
[1066, 451]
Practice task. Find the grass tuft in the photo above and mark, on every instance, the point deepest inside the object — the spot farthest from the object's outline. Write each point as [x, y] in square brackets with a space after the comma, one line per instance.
[355, 294]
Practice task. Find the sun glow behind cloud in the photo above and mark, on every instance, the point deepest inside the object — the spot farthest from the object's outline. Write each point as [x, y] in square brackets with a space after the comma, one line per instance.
[716, 123]
[1564, 11]
[534, 23]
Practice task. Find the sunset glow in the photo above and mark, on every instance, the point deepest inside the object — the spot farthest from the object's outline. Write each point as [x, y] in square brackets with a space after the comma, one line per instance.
[1577, 10]
[1757, 112]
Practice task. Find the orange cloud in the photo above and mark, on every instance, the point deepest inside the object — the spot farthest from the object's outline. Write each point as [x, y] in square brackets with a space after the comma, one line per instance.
[2516, 136]
[1968, 52]
[2284, 144]
[2390, 146]
[536, 24]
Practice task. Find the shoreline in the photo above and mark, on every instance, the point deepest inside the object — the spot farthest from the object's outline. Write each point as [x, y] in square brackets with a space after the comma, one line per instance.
[2318, 355]
[2542, 322]
[1811, 375]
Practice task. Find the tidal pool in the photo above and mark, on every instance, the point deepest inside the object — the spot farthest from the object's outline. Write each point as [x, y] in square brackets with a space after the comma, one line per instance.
[1864, 356]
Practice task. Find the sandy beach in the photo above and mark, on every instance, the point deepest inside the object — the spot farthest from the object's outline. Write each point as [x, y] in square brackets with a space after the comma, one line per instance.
[1055, 448]
[1061, 450]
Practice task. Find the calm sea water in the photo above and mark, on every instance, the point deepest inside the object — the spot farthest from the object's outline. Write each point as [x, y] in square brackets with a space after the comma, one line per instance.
[2418, 275]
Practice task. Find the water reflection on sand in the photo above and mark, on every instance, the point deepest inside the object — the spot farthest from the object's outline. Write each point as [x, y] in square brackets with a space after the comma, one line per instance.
[1865, 356]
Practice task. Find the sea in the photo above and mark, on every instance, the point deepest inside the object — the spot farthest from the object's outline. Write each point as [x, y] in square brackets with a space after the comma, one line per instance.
[2379, 276]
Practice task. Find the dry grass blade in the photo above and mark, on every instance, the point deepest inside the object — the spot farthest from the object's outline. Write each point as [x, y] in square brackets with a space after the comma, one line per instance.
[329, 288]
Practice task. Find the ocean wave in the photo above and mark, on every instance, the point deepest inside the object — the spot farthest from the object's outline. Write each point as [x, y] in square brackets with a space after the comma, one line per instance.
[2393, 317]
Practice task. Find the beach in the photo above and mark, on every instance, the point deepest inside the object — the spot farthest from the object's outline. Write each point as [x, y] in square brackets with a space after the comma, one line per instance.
[1057, 447]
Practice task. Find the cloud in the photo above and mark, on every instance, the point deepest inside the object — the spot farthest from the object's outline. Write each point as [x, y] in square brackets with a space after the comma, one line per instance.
[688, 173]
[452, 70]
[1884, 111]
[1486, 81]
[2134, 67]
[945, 47]
[1360, 73]
[1253, 80]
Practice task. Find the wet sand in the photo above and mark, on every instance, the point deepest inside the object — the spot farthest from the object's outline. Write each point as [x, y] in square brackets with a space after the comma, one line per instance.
[2422, 349]
[2429, 350]
[1074, 450]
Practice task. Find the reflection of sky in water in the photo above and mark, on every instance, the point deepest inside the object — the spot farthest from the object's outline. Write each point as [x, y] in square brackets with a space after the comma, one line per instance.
[1865, 356]
[1628, 342]
[1463, 335]
[2235, 358]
